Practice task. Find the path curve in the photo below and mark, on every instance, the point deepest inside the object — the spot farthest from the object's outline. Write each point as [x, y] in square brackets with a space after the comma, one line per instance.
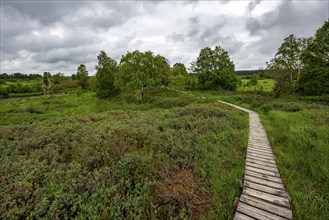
[263, 195]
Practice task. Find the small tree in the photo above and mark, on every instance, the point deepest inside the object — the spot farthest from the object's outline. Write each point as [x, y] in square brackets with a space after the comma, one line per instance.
[74, 77]
[254, 80]
[82, 76]
[179, 69]
[105, 76]
[215, 69]
[179, 76]
[286, 65]
[140, 70]
[46, 84]
[58, 78]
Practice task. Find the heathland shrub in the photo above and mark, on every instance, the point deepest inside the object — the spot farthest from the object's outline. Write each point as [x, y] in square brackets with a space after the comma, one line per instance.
[160, 162]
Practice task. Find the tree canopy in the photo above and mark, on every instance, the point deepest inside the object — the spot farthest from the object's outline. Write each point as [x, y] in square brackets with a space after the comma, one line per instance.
[82, 76]
[286, 64]
[315, 77]
[105, 76]
[179, 69]
[142, 69]
[215, 70]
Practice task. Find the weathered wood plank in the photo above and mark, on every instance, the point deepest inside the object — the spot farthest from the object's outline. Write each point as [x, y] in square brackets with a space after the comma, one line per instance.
[261, 156]
[277, 200]
[268, 154]
[241, 216]
[258, 141]
[254, 165]
[263, 176]
[261, 171]
[257, 155]
[271, 161]
[257, 213]
[278, 210]
[266, 148]
[267, 189]
[261, 163]
[263, 182]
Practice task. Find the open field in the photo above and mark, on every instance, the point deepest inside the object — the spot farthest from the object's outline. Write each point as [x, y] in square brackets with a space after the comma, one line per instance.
[75, 156]
[298, 130]
[265, 85]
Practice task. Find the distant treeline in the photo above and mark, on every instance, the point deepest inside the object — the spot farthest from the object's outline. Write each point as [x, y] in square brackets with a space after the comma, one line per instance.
[249, 72]
[19, 76]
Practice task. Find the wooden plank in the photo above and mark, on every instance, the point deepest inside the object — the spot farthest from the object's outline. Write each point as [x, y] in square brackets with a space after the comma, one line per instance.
[261, 163]
[263, 182]
[258, 155]
[258, 143]
[267, 189]
[263, 176]
[241, 216]
[261, 147]
[257, 213]
[268, 154]
[261, 171]
[278, 210]
[273, 169]
[277, 200]
[261, 157]
[258, 137]
[271, 161]
[258, 164]
[259, 150]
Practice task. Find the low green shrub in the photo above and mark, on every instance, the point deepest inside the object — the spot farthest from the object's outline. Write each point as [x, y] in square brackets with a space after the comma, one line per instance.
[134, 161]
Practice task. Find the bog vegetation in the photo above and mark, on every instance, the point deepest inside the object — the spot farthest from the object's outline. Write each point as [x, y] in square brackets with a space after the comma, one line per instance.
[123, 145]
[71, 157]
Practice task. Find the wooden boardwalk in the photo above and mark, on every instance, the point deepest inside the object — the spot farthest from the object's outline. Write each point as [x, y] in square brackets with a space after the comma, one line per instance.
[263, 195]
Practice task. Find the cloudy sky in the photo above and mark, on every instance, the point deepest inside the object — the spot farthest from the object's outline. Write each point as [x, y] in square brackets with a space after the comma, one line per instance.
[57, 36]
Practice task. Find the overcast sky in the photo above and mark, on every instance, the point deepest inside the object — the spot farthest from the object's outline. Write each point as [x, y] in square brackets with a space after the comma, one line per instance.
[57, 36]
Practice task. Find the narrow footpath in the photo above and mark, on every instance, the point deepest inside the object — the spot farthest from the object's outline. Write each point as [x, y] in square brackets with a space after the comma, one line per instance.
[263, 196]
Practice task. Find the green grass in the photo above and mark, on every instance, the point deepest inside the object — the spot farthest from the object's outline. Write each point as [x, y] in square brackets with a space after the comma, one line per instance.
[24, 82]
[300, 141]
[75, 156]
[265, 85]
[298, 131]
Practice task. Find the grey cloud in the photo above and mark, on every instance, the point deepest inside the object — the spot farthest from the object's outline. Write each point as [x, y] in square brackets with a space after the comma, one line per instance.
[206, 35]
[194, 20]
[45, 41]
[46, 12]
[193, 33]
[73, 55]
[13, 23]
[252, 5]
[288, 17]
[174, 37]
